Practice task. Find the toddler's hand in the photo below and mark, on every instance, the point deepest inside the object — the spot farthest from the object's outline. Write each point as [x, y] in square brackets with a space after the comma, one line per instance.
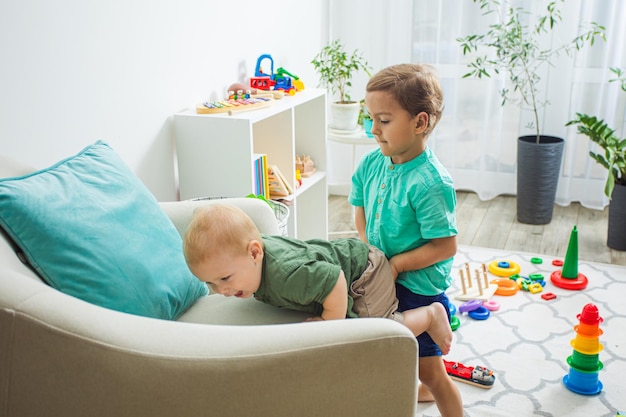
[317, 318]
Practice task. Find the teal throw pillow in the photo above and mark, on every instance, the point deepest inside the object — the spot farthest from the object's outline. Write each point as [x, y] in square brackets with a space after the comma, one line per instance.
[92, 230]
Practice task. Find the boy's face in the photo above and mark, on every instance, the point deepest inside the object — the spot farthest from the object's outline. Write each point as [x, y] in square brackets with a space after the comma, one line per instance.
[233, 275]
[399, 135]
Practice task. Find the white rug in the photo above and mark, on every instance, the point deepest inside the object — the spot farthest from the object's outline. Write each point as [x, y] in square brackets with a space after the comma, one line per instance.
[527, 342]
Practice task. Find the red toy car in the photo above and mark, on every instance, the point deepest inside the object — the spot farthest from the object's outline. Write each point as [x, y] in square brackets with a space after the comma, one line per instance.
[479, 375]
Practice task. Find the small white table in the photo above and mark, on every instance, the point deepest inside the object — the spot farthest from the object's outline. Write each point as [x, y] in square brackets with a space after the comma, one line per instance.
[355, 138]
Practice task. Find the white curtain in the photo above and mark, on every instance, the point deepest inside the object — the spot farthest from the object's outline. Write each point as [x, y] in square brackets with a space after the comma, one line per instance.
[477, 137]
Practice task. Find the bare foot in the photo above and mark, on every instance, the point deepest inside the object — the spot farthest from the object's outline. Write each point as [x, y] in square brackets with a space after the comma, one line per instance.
[439, 329]
[424, 395]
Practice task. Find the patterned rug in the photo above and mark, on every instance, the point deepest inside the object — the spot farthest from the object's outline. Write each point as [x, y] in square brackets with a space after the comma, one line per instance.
[527, 342]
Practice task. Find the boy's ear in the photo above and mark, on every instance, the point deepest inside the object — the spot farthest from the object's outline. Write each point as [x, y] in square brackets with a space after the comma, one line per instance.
[421, 122]
[255, 249]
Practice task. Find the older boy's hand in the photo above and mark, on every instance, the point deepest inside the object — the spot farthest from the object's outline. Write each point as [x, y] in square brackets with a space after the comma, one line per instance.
[394, 269]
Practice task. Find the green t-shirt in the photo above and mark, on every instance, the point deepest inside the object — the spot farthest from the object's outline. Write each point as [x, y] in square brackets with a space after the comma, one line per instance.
[299, 275]
[407, 205]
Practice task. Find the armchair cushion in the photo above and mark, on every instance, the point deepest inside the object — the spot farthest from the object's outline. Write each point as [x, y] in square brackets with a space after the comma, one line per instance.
[91, 229]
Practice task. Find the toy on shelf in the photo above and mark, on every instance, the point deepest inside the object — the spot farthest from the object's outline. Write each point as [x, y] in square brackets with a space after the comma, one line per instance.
[504, 268]
[277, 182]
[474, 375]
[254, 93]
[231, 105]
[483, 290]
[282, 80]
[297, 82]
[305, 165]
[584, 363]
[569, 278]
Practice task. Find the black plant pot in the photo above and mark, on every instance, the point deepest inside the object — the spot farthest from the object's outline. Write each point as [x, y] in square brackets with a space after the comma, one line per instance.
[616, 237]
[538, 168]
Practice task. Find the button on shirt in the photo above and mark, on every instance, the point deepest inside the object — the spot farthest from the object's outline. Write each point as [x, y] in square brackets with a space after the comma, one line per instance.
[407, 205]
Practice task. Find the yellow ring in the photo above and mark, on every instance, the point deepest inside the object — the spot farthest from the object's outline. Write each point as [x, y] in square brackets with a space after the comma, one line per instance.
[513, 269]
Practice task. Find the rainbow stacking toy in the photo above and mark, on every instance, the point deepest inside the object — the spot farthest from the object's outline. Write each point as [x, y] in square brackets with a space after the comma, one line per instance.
[568, 277]
[584, 363]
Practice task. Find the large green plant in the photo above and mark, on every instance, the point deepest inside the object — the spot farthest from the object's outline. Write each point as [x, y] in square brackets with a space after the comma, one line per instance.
[516, 49]
[614, 158]
[336, 67]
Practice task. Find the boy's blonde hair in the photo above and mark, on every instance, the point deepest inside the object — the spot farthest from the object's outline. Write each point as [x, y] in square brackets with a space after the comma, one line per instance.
[415, 87]
[218, 230]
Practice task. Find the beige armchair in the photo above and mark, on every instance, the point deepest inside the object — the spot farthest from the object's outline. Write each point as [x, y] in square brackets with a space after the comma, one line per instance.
[61, 356]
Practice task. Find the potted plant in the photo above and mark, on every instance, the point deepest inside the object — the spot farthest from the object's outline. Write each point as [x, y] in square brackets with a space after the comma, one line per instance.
[614, 160]
[515, 49]
[336, 67]
[365, 119]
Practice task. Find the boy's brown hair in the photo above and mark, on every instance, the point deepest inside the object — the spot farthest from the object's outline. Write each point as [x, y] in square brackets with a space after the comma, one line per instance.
[415, 87]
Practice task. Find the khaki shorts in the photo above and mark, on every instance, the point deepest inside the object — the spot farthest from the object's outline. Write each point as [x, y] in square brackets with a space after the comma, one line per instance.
[374, 292]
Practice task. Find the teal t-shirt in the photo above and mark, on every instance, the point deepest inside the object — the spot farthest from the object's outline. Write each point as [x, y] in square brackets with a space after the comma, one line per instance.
[407, 205]
[299, 275]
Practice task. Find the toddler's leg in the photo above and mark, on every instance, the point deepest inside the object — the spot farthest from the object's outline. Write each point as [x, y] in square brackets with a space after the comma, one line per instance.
[432, 319]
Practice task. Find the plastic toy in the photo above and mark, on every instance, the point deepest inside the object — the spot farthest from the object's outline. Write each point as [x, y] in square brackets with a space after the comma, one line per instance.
[491, 305]
[548, 296]
[454, 323]
[584, 363]
[475, 309]
[481, 313]
[281, 80]
[483, 290]
[478, 376]
[470, 305]
[569, 278]
[297, 82]
[232, 105]
[454, 320]
[506, 286]
[504, 268]
[535, 288]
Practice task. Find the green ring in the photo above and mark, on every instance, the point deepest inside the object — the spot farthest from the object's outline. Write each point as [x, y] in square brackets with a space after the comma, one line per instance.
[454, 323]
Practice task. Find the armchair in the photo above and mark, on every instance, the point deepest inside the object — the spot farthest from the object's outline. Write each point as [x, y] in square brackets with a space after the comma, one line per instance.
[61, 356]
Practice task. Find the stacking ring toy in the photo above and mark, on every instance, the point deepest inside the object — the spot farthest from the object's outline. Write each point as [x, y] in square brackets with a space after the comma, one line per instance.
[504, 268]
[505, 286]
[491, 305]
[452, 308]
[481, 313]
[470, 305]
[454, 323]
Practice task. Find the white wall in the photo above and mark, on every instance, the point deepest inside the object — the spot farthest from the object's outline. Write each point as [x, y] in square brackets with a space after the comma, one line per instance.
[75, 71]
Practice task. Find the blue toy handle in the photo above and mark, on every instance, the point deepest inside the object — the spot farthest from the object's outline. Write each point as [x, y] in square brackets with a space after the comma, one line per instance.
[258, 72]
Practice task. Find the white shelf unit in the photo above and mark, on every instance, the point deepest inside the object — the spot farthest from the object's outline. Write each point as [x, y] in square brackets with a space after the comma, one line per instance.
[215, 155]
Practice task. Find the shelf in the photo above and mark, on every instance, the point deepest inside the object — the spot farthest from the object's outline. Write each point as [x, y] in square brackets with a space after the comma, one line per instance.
[214, 154]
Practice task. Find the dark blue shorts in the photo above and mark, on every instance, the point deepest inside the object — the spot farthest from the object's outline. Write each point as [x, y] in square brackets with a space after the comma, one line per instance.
[408, 300]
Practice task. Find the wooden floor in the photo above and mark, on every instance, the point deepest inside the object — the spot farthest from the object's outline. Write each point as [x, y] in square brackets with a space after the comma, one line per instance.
[493, 224]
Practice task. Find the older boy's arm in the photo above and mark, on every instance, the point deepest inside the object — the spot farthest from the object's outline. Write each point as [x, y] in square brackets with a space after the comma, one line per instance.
[336, 303]
[359, 222]
[432, 252]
